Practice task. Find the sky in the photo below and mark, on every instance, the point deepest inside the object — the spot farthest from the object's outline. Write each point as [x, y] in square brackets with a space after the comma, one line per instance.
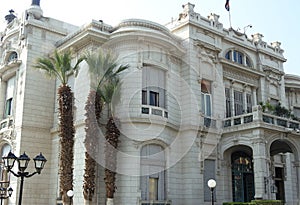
[277, 20]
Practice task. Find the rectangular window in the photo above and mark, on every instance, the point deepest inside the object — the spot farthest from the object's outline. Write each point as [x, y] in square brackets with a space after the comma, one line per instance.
[8, 107]
[209, 173]
[153, 90]
[238, 103]
[249, 103]
[10, 88]
[228, 102]
[206, 104]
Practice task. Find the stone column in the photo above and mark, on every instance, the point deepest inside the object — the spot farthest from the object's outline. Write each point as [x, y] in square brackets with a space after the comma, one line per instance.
[297, 166]
[254, 96]
[260, 164]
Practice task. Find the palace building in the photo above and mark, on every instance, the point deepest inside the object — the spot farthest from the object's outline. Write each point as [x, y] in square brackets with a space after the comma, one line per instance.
[198, 102]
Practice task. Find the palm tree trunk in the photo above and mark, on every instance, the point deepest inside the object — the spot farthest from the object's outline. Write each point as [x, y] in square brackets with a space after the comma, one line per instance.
[66, 133]
[93, 112]
[111, 145]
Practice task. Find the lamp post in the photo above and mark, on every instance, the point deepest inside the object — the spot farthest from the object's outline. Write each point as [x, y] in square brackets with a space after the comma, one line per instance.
[212, 184]
[70, 194]
[5, 192]
[23, 160]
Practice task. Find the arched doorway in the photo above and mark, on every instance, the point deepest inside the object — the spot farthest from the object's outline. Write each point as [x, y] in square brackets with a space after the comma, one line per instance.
[280, 152]
[242, 177]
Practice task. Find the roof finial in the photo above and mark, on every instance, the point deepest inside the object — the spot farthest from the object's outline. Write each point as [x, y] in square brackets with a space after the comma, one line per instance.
[10, 17]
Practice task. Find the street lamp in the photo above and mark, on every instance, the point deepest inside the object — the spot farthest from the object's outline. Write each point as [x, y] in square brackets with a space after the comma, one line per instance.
[70, 194]
[23, 160]
[212, 184]
[5, 192]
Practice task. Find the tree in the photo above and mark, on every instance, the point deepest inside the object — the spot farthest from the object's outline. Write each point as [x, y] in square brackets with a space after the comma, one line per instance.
[103, 68]
[59, 66]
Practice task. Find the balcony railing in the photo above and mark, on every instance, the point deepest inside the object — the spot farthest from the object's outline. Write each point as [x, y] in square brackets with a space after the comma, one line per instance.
[167, 202]
[258, 116]
[152, 110]
[238, 120]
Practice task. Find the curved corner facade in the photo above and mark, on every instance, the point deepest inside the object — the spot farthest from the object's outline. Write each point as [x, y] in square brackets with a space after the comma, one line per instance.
[198, 102]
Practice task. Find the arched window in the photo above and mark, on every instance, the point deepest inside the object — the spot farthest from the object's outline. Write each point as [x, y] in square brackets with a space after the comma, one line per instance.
[12, 56]
[152, 181]
[238, 57]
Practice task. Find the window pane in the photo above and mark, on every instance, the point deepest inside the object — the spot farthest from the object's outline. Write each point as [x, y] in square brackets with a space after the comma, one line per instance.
[235, 56]
[249, 103]
[238, 103]
[208, 106]
[228, 102]
[144, 97]
[240, 58]
[8, 107]
[154, 98]
[228, 55]
[153, 188]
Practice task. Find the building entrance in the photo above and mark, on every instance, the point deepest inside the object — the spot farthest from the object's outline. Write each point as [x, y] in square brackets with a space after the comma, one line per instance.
[242, 177]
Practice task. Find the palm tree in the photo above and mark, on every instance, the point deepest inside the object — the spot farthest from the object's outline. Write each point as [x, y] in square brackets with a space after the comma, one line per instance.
[103, 69]
[108, 92]
[59, 66]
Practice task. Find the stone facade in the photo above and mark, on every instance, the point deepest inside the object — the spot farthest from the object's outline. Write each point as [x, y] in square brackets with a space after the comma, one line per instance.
[196, 103]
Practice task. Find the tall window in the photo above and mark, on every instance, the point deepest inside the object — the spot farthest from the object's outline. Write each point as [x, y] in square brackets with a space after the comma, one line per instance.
[238, 103]
[228, 102]
[206, 97]
[153, 91]
[10, 87]
[152, 181]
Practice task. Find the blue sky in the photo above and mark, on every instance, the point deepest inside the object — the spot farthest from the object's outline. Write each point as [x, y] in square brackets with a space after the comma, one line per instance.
[277, 20]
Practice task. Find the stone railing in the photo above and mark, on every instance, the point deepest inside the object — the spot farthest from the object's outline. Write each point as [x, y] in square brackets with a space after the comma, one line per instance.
[152, 110]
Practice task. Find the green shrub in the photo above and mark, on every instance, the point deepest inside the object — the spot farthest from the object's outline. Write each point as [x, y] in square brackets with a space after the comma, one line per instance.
[256, 202]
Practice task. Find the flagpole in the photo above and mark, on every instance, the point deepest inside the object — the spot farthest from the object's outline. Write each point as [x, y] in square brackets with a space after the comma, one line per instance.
[229, 18]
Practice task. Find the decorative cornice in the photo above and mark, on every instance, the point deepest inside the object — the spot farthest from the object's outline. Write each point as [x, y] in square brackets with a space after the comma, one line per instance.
[234, 74]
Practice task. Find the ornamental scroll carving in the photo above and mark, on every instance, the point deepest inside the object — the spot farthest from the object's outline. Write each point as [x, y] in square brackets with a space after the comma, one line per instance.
[9, 135]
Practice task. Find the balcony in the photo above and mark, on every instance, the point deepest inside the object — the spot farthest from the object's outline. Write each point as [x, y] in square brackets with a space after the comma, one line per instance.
[6, 124]
[263, 119]
[9, 67]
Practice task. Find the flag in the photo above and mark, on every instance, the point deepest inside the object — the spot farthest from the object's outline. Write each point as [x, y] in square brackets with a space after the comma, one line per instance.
[227, 5]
